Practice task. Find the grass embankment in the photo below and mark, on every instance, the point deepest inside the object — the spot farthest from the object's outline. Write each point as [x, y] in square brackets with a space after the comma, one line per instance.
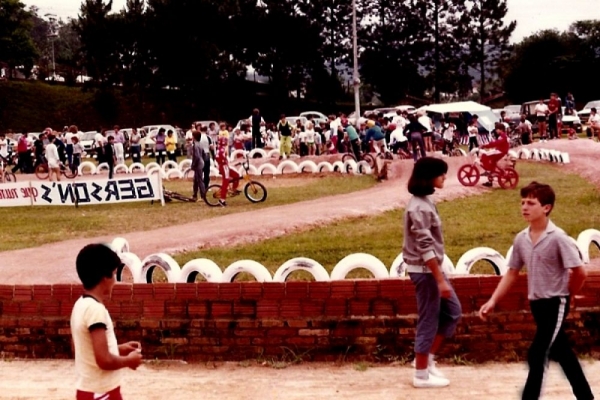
[489, 220]
[33, 226]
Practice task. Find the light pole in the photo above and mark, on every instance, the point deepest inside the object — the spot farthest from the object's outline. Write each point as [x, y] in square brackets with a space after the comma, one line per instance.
[52, 35]
[355, 77]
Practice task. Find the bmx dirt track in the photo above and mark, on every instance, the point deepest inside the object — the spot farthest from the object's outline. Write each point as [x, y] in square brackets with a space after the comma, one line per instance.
[163, 380]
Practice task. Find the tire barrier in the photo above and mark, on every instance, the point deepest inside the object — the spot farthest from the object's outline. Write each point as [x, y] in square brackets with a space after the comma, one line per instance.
[364, 168]
[152, 164]
[201, 266]
[257, 153]
[467, 260]
[308, 166]
[273, 153]
[359, 260]
[513, 154]
[301, 264]
[185, 165]
[132, 263]
[398, 268]
[237, 154]
[173, 174]
[288, 166]
[267, 169]
[121, 169]
[137, 167]
[169, 165]
[524, 154]
[87, 166]
[585, 240]
[260, 273]
[156, 170]
[103, 167]
[162, 261]
[350, 166]
[325, 167]
[252, 170]
[339, 166]
[120, 245]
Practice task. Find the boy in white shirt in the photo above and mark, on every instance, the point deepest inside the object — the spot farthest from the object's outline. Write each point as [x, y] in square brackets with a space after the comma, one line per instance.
[594, 122]
[541, 111]
[53, 159]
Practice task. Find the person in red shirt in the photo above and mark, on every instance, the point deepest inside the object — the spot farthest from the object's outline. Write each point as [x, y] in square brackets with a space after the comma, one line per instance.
[500, 146]
[553, 112]
[227, 173]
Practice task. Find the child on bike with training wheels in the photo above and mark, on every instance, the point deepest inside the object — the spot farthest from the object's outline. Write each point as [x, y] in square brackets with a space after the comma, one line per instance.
[227, 174]
[500, 148]
[555, 275]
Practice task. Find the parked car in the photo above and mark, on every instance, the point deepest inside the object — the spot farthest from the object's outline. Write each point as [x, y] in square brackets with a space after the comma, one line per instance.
[317, 117]
[207, 123]
[571, 121]
[87, 140]
[126, 133]
[584, 114]
[152, 130]
[292, 120]
[565, 122]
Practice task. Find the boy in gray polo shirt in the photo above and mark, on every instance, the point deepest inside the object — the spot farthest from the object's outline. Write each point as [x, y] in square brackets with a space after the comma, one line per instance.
[554, 275]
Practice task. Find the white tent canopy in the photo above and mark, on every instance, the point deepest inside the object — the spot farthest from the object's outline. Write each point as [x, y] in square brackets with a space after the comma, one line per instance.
[461, 106]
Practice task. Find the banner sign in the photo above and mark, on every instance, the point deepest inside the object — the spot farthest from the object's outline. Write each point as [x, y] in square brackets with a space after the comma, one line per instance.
[84, 192]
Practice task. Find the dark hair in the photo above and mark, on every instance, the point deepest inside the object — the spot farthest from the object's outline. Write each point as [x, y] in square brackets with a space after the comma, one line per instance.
[425, 171]
[540, 191]
[110, 138]
[96, 262]
[593, 109]
[51, 137]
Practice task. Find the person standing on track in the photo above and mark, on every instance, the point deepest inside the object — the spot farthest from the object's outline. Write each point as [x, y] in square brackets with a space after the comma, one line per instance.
[198, 157]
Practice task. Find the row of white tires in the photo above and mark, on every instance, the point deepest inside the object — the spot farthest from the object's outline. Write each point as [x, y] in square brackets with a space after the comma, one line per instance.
[539, 154]
[142, 270]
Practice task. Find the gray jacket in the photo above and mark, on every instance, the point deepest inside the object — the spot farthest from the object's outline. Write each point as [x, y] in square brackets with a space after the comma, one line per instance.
[197, 157]
[423, 239]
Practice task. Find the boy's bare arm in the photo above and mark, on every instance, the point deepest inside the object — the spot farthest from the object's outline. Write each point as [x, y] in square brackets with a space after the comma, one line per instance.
[576, 280]
[505, 283]
[108, 361]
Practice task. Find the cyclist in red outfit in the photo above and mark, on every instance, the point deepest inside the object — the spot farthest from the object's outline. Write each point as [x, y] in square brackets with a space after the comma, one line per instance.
[500, 146]
[227, 173]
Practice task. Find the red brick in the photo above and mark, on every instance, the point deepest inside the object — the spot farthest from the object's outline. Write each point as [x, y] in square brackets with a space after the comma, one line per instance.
[215, 349]
[248, 323]
[185, 291]
[466, 286]
[392, 288]
[7, 292]
[238, 341]
[207, 291]
[122, 291]
[62, 292]
[34, 323]
[319, 290]
[300, 341]
[23, 293]
[248, 332]
[297, 323]
[367, 288]
[197, 309]
[267, 309]
[335, 308]
[10, 308]
[66, 307]
[407, 306]
[273, 290]
[230, 291]
[313, 332]
[359, 307]
[268, 340]
[29, 308]
[175, 309]
[244, 308]
[164, 291]
[312, 308]
[142, 291]
[221, 309]
[343, 289]
[252, 290]
[153, 308]
[382, 308]
[282, 332]
[343, 332]
[506, 337]
[290, 309]
[271, 323]
[50, 308]
[114, 308]
[42, 292]
[296, 290]
[131, 309]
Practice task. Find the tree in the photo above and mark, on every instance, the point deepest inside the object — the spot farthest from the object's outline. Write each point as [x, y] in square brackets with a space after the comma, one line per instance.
[482, 27]
[16, 45]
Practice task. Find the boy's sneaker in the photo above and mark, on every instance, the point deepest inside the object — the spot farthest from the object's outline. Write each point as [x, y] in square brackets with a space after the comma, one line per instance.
[236, 192]
[487, 184]
[432, 382]
[431, 368]
[222, 203]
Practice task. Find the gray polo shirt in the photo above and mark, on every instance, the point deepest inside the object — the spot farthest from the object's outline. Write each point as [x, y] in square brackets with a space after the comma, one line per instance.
[423, 239]
[548, 261]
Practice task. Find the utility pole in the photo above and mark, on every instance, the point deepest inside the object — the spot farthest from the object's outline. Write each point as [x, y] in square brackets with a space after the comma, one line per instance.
[356, 78]
[52, 35]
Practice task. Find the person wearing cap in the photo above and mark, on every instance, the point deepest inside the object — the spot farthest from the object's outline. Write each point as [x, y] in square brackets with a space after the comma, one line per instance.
[375, 135]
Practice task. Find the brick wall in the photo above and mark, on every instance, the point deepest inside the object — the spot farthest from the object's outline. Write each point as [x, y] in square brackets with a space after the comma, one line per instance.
[340, 320]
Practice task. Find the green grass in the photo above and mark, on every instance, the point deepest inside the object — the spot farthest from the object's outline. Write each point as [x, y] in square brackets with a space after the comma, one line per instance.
[34, 226]
[490, 220]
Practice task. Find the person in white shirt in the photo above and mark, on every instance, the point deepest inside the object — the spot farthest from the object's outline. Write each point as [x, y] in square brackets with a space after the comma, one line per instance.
[189, 140]
[52, 159]
[473, 131]
[68, 139]
[448, 129]
[399, 120]
[541, 112]
[99, 142]
[310, 138]
[594, 122]
[119, 138]
[3, 147]
[525, 129]
[428, 124]
[398, 140]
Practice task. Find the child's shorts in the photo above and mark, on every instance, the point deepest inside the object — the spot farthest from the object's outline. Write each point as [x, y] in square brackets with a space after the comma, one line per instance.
[114, 394]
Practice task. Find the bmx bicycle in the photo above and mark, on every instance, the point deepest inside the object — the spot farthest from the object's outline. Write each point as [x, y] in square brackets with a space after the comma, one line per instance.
[254, 191]
[6, 175]
[43, 172]
[469, 174]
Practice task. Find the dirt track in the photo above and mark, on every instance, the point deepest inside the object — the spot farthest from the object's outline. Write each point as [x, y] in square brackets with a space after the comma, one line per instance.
[57, 259]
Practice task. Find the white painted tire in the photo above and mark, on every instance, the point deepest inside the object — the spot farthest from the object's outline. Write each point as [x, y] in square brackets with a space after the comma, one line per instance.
[120, 245]
[121, 169]
[200, 266]
[251, 267]
[174, 174]
[308, 166]
[237, 154]
[185, 165]
[543, 154]
[87, 166]
[103, 167]
[513, 154]
[324, 166]
[261, 152]
[359, 260]
[535, 154]
[267, 169]
[162, 261]
[156, 170]
[287, 166]
[364, 168]
[350, 166]
[133, 263]
[585, 239]
[252, 170]
[524, 154]
[462, 152]
[169, 165]
[566, 159]
[339, 166]
[301, 264]
[152, 165]
[467, 260]
[273, 153]
[137, 167]
[398, 268]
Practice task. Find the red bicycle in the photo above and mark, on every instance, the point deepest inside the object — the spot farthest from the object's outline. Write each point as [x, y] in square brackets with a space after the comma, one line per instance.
[469, 174]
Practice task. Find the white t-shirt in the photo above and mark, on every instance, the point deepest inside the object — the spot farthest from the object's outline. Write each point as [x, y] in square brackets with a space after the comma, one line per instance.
[400, 121]
[3, 147]
[449, 132]
[473, 130]
[68, 137]
[397, 136]
[524, 126]
[88, 312]
[309, 136]
[100, 140]
[52, 156]
[594, 120]
[541, 110]
[426, 122]
[189, 137]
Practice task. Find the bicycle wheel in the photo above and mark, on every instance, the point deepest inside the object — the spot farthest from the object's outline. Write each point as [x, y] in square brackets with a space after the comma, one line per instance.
[255, 192]
[68, 173]
[9, 177]
[42, 172]
[347, 157]
[213, 195]
[468, 175]
[509, 179]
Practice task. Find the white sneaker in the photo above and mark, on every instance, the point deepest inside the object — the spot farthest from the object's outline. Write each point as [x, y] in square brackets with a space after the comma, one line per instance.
[432, 382]
[431, 368]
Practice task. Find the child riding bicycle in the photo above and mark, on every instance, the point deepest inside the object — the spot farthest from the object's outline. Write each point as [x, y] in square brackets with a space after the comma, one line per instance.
[500, 147]
[227, 174]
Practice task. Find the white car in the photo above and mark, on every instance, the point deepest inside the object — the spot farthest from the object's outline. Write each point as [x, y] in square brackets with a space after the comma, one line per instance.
[571, 121]
[317, 117]
[87, 140]
[584, 114]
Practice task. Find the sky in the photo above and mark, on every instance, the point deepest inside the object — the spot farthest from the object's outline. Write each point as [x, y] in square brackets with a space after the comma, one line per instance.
[531, 15]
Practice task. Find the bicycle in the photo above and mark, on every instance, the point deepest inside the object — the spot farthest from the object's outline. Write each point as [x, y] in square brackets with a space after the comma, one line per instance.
[469, 174]
[254, 191]
[6, 176]
[43, 172]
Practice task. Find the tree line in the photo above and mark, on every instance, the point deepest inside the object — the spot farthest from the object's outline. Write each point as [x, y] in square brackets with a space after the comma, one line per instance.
[422, 48]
